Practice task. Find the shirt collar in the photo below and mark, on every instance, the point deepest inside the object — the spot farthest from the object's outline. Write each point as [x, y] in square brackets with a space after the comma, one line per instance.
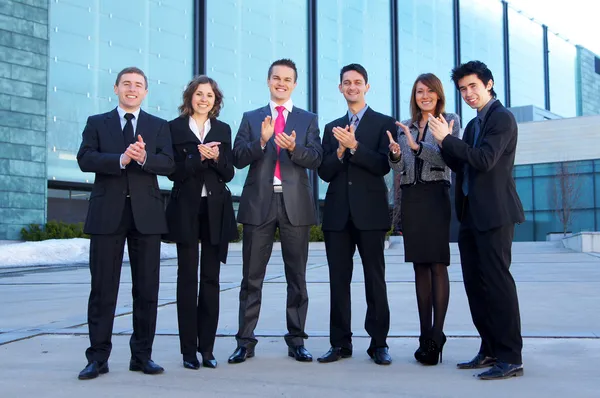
[481, 114]
[122, 113]
[288, 105]
[360, 113]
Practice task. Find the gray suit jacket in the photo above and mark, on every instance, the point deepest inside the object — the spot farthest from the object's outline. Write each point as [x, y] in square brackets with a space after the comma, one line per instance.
[258, 188]
[434, 167]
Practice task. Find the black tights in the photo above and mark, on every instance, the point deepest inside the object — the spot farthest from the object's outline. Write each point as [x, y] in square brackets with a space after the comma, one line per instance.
[433, 293]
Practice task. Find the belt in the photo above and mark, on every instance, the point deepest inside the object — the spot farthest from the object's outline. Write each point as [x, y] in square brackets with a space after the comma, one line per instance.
[277, 188]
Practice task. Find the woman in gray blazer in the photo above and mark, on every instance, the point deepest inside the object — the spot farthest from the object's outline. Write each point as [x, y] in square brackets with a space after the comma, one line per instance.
[425, 210]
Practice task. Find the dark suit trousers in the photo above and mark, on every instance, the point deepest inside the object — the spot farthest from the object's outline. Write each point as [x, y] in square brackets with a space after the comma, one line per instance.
[198, 306]
[340, 247]
[491, 290]
[106, 258]
[257, 248]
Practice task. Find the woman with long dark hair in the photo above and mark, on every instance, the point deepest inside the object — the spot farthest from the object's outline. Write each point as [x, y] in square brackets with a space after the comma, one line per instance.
[425, 210]
[200, 209]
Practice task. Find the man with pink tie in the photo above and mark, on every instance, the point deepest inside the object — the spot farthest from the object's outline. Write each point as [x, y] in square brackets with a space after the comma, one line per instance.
[279, 142]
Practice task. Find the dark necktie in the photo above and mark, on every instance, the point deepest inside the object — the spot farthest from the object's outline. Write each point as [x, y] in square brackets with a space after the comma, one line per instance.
[476, 131]
[128, 134]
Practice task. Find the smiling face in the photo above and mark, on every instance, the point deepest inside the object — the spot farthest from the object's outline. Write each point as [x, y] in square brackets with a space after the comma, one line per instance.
[203, 99]
[281, 84]
[354, 87]
[426, 98]
[131, 91]
[474, 92]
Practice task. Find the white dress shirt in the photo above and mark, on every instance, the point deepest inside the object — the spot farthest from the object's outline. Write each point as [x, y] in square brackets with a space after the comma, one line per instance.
[123, 121]
[288, 105]
[201, 136]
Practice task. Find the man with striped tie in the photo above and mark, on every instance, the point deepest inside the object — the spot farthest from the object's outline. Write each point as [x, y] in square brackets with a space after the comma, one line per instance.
[279, 142]
[356, 214]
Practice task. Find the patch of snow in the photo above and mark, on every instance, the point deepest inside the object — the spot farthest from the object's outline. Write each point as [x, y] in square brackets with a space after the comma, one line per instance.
[60, 252]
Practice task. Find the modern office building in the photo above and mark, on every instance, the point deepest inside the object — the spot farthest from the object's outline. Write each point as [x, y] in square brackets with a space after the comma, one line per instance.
[59, 60]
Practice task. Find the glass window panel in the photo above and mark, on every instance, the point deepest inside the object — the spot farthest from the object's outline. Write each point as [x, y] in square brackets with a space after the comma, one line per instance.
[89, 43]
[482, 38]
[426, 44]
[562, 63]
[524, 231]
[526, 61]
[525, 192]
[546, 222]
[523, 171]
[581, 220]
[353, 31]
[543, 188]
[597, 189]
[544, 169]
[243, 39]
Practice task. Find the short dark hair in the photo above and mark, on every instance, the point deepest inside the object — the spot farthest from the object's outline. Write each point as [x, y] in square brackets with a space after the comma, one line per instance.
[284, 62]
[474, 68]
[357, 68]
[432, 82]
[131, 69]
[186, 107]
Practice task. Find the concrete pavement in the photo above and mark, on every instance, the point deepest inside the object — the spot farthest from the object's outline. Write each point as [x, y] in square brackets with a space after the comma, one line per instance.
[43, 335]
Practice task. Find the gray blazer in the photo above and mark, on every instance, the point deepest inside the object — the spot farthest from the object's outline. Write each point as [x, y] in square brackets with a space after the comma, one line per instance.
[258, 188]
[434, 167]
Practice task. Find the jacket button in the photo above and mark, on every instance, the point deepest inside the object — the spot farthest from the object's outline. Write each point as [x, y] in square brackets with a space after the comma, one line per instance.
[210, 192]
[349, 182]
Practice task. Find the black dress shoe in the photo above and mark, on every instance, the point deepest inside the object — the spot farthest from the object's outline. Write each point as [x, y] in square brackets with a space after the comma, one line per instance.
[502, 370]
[380, 355]
[147, 366]
[335, 354]
[241, 354]
[92, 370]
[480, 361]
[208, 360]
[300, 353]
[191, 362]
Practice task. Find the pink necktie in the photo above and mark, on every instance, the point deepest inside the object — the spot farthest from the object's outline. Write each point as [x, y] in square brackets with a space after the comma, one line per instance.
[279, 127]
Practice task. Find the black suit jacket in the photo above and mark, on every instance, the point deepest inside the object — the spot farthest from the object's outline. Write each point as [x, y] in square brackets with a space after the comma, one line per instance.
[493, 199]
[258, 188]
[100, 152]
[356, 185]
[190, 174]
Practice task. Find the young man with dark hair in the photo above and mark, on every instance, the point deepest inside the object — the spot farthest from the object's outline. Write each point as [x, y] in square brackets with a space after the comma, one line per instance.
[356, 214]
[279, 142]
[126, 148]
[488, 207]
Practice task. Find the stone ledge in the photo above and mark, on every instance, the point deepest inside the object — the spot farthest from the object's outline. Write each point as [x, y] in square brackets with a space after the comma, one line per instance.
[584, 242]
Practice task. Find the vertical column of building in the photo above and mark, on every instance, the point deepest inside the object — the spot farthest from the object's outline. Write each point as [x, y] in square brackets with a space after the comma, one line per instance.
[23, 79]
[588, 82]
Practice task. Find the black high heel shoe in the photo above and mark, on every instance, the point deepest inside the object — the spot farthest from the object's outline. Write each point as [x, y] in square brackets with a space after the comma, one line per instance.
[431, 353]
[208, 360]
[419, 352]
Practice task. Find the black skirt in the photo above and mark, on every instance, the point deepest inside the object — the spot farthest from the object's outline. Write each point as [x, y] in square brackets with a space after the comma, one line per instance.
[425, 211]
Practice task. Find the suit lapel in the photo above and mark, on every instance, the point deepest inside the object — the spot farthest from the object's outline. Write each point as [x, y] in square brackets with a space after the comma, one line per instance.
[493, 107]
[143, 126]
[213, 134]
[114, 126]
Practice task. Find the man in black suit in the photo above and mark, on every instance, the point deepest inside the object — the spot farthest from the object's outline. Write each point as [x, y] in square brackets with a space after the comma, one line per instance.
[279, 142]
[488, 207]
[126, 148]
[356, 214]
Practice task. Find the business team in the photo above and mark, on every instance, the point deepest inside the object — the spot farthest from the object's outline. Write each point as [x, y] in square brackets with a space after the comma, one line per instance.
[127, 148]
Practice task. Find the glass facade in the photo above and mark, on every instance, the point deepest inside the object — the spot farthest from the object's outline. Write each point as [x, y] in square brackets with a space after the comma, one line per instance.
[243, 38]
[526, 61]
[90, 42]
[562, 59]
[558, 197]
[425, 44]
[481, 39]
[363, 28]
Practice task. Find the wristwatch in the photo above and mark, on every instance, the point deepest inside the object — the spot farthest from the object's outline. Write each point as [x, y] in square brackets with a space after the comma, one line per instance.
[353, 150]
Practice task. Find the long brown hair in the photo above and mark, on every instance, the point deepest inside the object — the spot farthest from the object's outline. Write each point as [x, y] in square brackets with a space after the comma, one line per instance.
[186, 109]
[433, 83]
